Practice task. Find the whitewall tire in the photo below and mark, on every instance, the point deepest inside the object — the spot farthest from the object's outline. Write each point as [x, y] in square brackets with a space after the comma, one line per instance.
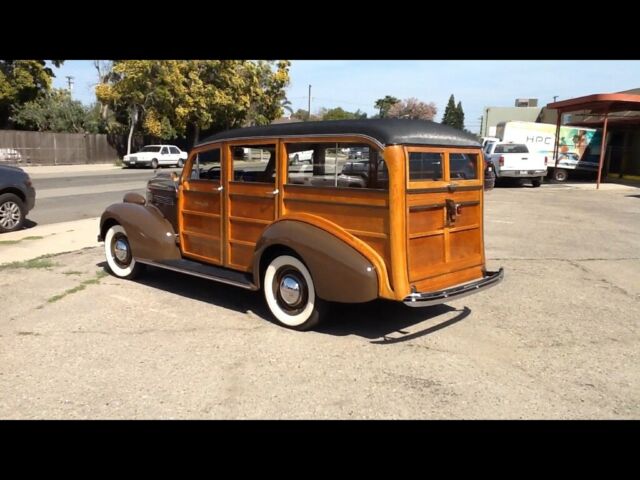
[290, 293]
[119, 255]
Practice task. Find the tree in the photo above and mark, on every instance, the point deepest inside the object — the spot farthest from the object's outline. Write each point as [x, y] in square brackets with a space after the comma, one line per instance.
[22, 81]
[413, 108]
[301, 114]
[450, 116]
[459, 117]
[286, 106]
[384, 104]
[54, 111]
[169, 98]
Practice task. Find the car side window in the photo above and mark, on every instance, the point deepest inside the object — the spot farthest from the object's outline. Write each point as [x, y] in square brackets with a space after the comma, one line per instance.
[337, 165]
[206, 165]
[174, 150]
[254, 163]
[164, 151]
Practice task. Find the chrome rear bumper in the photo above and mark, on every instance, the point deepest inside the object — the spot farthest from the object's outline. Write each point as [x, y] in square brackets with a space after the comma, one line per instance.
[489, 280]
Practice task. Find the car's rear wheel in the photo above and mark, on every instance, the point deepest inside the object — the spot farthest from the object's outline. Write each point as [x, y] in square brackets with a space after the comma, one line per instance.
[118, 252]
[154, 164]
[12, 213]
[560, 175]
[290, 293]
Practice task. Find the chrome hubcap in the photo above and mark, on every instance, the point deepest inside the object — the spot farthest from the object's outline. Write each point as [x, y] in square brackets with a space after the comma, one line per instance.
[9, 215]
[121, 250]
[290, 290]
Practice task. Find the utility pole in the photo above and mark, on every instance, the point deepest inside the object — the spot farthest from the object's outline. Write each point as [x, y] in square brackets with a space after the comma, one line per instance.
[70, 83]
[309, 105]
[481, 120]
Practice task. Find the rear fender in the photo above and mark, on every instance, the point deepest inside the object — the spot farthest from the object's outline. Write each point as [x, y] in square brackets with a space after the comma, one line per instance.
[340, 273]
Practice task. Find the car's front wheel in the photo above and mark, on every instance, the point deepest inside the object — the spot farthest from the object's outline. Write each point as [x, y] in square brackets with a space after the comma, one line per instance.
[118, 252]
[290, 293]
[12, 213]
[180, 163]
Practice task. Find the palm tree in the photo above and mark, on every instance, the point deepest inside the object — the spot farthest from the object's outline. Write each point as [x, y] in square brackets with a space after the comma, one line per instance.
[286, 105]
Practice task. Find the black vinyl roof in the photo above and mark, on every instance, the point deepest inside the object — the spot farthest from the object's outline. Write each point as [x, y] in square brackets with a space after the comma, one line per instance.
[385, 131]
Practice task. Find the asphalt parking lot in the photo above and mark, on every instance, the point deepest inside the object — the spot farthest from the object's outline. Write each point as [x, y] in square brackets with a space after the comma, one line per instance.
[558, 339]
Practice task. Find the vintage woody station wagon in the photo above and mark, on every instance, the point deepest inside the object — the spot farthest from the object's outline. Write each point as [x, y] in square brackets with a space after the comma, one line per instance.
[315, 212]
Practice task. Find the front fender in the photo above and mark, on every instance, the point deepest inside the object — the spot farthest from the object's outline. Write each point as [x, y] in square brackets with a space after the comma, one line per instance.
[339, 272]
[150, 234]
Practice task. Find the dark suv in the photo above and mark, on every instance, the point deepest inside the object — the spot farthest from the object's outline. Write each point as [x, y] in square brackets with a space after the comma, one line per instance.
[17, 197]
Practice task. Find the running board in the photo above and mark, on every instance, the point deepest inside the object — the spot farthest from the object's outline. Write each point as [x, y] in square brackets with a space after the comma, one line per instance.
[203, 270]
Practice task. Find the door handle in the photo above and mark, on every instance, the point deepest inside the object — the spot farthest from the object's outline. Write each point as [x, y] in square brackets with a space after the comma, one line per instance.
[220, 188]
[452, 211]
[275, 192]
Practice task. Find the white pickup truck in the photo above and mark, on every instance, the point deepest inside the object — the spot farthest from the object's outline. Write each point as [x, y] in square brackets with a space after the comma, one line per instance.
[513, 160]
[156, 156]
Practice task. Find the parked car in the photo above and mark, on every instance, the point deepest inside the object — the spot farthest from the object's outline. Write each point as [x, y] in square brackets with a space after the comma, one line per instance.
[155, 156]
[304, 156]
[489, 174]
[412, 233]
[515, 161]
[17, 197]
[10, 155]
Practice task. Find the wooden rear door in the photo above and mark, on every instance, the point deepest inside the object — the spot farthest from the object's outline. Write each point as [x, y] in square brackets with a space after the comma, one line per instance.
[252, 196]
[444, 217]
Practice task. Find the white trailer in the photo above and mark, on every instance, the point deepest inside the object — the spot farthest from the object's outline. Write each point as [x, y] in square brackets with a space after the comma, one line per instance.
[579, 147]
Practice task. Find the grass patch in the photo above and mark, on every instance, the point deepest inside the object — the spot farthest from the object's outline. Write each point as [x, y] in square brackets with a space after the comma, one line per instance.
[72, 272]
[92, 281]
[40, 262]
[13, 242]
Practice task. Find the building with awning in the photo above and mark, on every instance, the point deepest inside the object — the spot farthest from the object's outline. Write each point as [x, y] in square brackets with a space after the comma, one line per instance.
[618, 115]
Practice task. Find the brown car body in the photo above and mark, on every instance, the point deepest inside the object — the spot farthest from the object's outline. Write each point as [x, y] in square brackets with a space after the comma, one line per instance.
[413, 233]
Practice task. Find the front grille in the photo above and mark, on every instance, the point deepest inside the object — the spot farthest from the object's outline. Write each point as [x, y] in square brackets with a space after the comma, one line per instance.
[162, 200]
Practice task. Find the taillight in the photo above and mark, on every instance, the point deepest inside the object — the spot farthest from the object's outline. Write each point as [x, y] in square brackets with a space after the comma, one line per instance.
[501, 161]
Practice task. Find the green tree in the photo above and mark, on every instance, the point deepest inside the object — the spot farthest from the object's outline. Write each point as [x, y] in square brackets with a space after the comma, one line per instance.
[54, 111]
[168, 98]
[301, 114]
[337, 114]
[384, 104]
[22, 81]
[459, 117]
[450, 116]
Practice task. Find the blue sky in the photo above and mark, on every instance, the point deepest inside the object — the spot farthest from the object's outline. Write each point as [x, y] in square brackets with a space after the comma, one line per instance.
[356, 84]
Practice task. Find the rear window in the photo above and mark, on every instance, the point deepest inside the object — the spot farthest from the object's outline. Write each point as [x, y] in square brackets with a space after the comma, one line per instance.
[511, 148]
[425, 166]
[463, 166]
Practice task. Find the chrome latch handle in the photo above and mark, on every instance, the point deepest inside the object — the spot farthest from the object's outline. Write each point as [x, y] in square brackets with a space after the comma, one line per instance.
[275, 192]
[220, 188]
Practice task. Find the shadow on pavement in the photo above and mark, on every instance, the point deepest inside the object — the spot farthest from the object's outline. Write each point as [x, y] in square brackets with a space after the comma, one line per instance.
[28, 224]
[382, 321]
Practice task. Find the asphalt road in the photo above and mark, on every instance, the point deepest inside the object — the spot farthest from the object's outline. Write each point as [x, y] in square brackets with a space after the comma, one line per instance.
[78, 195]
[558, 339]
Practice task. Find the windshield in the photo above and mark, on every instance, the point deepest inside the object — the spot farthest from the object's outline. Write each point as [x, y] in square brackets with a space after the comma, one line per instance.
[150, 149]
